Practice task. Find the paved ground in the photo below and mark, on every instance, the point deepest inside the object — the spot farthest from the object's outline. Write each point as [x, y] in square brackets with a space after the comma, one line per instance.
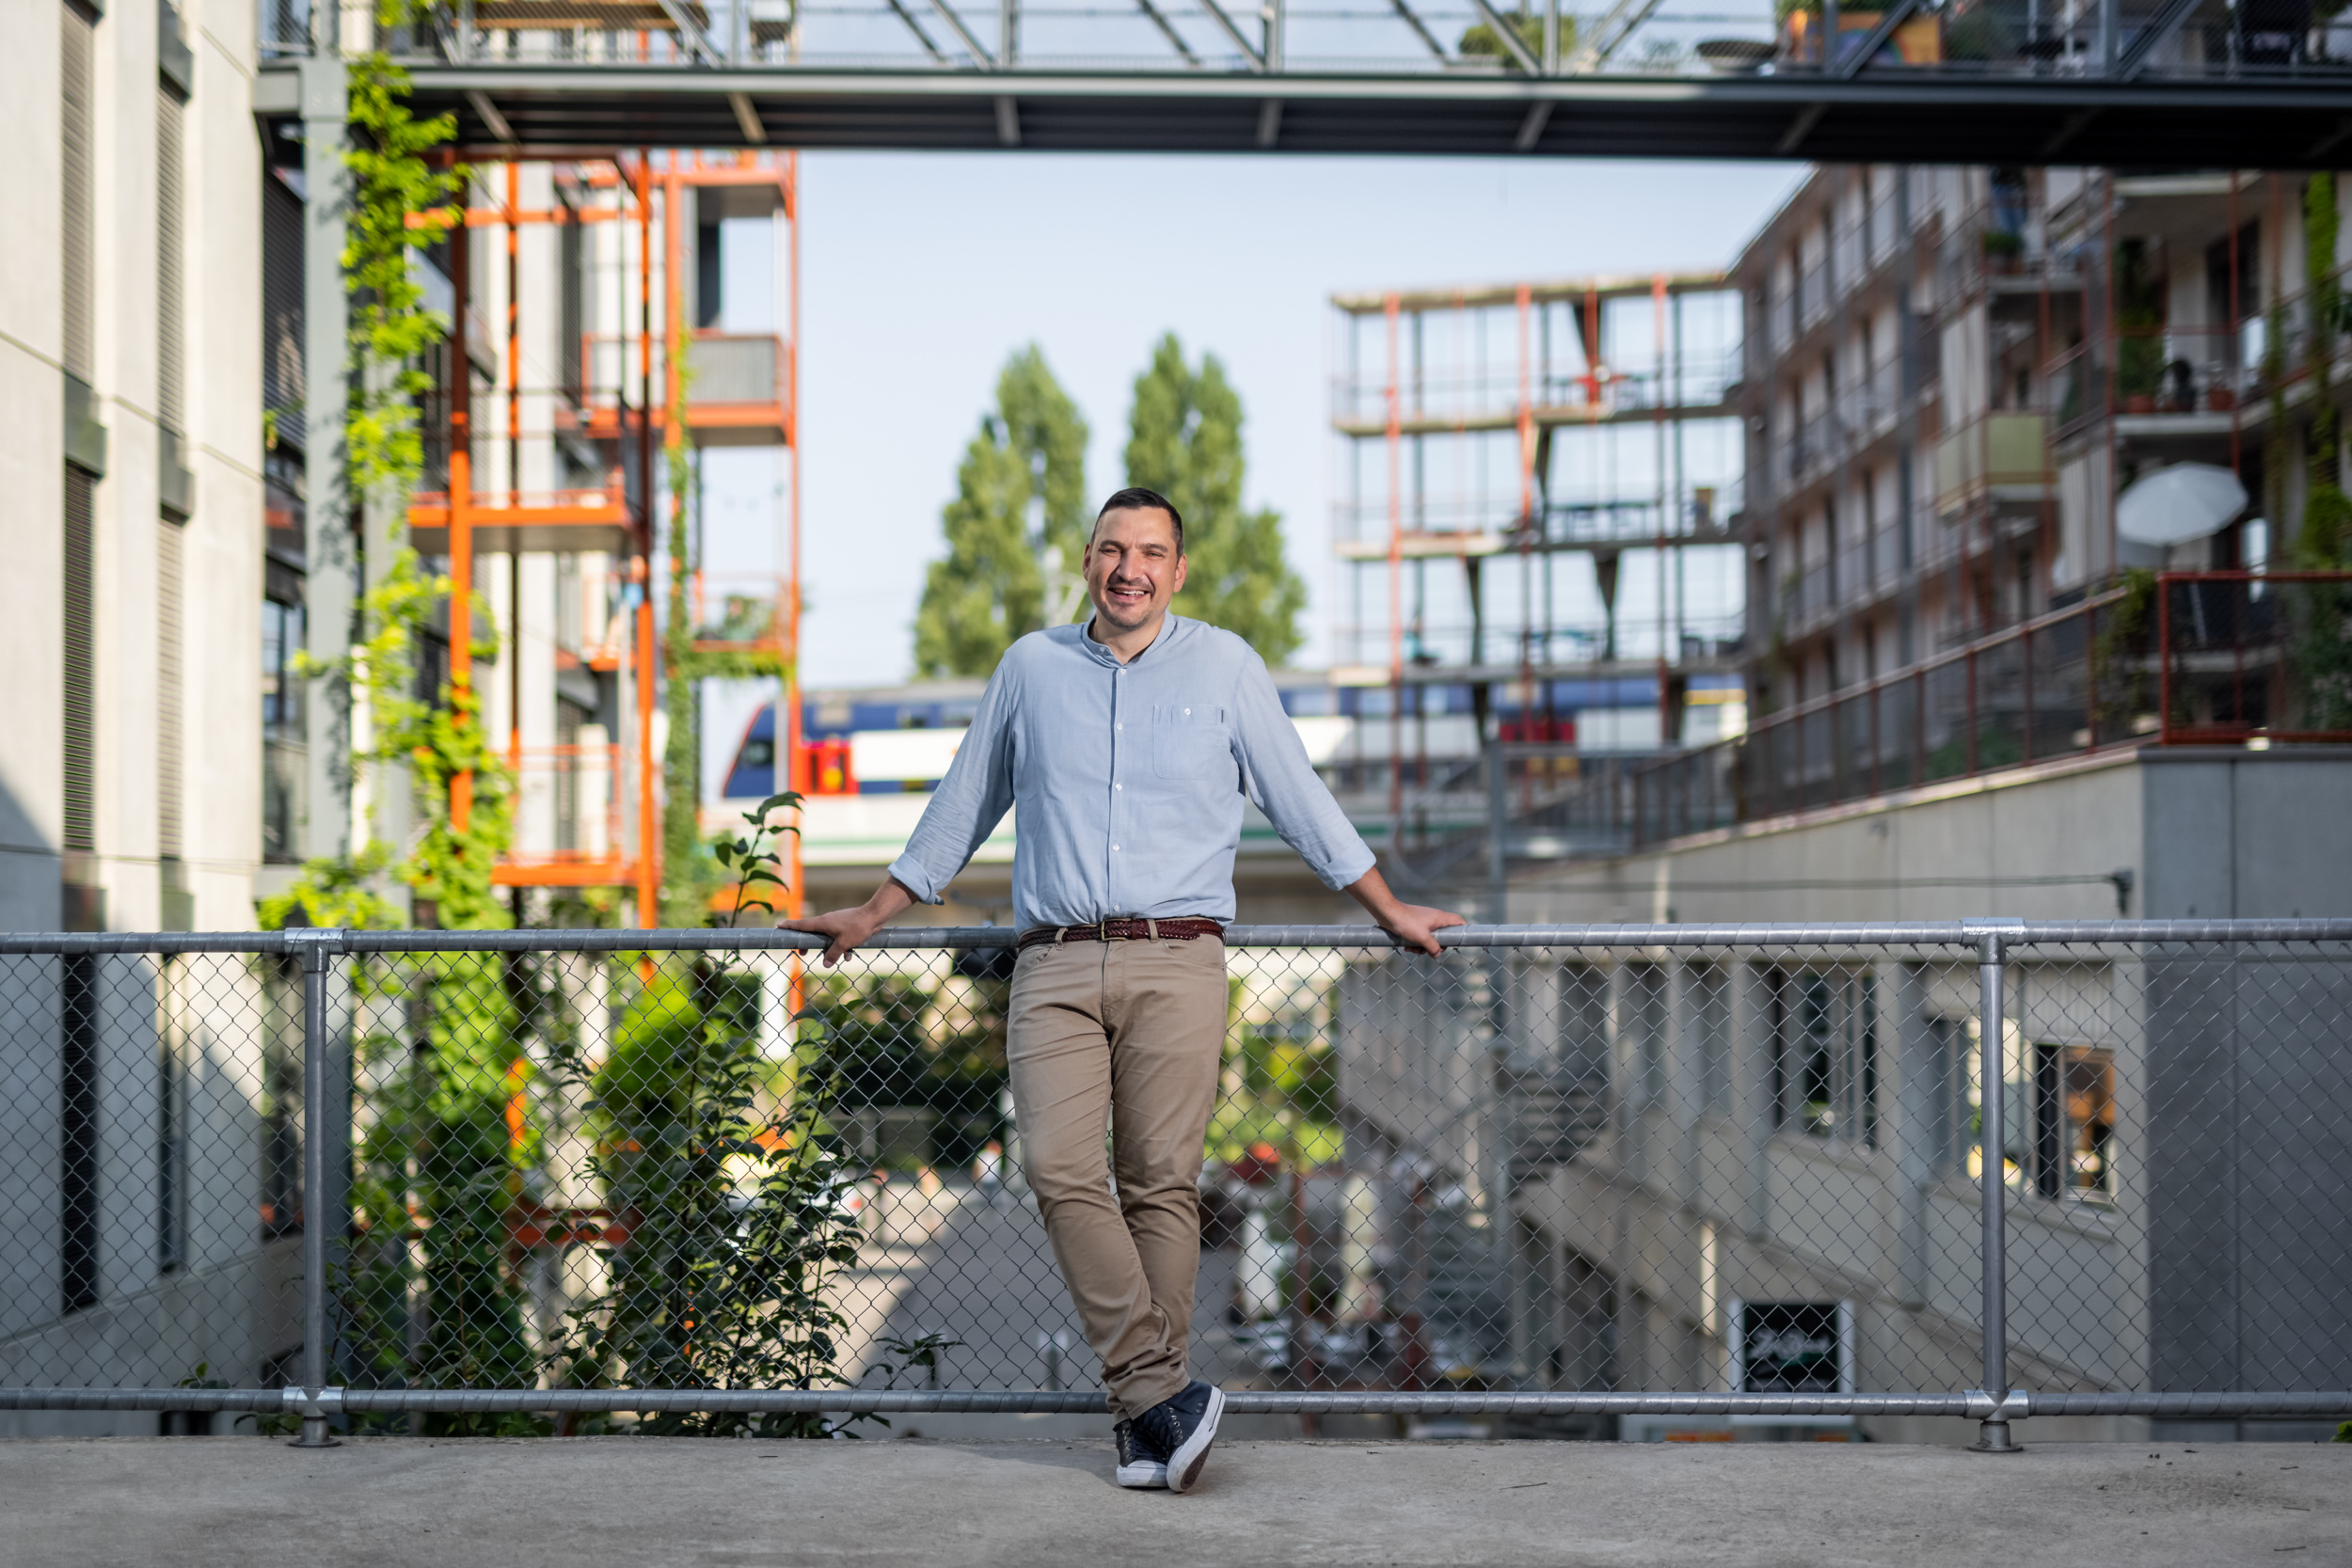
[401, 1501]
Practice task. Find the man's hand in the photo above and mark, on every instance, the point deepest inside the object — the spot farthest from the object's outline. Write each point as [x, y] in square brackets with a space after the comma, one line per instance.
[1417, 925]
[1413, 925]
[845, 930]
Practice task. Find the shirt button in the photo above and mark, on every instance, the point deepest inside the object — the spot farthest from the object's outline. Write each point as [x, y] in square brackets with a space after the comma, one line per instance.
[1119, 786]
[1119, 726]
[1114, 847]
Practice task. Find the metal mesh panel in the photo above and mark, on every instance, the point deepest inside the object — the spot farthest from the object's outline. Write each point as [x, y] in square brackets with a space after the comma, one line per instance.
[1606, 1161]
[150, 1205]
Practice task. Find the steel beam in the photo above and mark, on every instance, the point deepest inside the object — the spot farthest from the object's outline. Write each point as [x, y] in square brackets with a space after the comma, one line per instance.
[1508, 36]
[981, 56]
[1250, 50]
[1412, 20]
[2152, 38]
[1875, 39]
[1881, 116]
[1167, 30]
[1611, 31]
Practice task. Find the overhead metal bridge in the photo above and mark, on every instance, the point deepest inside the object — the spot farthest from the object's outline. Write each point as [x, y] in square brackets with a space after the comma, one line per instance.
[2131, 83]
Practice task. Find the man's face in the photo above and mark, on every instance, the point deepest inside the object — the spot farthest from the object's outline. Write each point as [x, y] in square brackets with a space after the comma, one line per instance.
[1133, 567]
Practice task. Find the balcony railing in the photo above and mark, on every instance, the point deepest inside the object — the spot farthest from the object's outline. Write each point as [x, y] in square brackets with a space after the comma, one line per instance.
[568, 801]
[2183, 658]
[1993, 454]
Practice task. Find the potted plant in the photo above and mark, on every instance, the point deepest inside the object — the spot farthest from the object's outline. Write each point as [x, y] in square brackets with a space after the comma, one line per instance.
[2139, 321]
[2004, 249]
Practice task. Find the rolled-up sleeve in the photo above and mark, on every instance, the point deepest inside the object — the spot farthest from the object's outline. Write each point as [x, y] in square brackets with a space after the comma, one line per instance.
[1282, 783]
[970, 800]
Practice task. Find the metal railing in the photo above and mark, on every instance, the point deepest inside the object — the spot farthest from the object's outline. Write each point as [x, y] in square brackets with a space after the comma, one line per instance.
[510, 1181]
[2187, 659]
[2144, 39]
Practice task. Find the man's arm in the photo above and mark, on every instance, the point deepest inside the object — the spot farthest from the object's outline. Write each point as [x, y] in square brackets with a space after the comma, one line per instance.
[963, 812]
[1413, 925]
[844, 930]
[1277, 776]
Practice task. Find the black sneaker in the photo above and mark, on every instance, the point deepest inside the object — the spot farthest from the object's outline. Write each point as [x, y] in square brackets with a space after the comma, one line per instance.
[1182, 1427]
[1141, 1464]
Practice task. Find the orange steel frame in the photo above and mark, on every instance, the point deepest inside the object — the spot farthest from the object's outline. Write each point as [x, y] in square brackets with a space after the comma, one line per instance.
[1391, 308]
[459, 515]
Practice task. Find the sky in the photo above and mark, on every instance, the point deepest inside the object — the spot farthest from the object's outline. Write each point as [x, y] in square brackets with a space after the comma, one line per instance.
[922, 273]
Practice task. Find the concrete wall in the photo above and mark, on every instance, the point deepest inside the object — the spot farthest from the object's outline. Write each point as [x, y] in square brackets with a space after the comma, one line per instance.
[2219, 1258]
[200, 1285]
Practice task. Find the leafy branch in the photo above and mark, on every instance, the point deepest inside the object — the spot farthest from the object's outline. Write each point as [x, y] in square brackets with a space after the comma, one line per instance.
[757, 861]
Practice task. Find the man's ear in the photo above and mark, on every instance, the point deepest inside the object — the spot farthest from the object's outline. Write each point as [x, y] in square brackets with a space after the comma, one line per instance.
[1181, 563]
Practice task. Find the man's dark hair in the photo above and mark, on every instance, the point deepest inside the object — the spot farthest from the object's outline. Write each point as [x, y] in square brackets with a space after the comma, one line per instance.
[1138, 498]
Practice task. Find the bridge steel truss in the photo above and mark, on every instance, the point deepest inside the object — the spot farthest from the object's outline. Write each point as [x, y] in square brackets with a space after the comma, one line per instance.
[2126, 84]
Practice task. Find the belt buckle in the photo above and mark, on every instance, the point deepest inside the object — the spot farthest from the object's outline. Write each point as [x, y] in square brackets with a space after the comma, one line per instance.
[1103, 930]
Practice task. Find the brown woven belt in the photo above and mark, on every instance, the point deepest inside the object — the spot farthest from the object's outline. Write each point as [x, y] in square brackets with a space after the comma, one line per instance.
[1185, 929]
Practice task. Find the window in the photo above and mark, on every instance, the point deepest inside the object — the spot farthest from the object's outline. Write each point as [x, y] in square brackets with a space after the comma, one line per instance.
[1645, 1018]
[284, 768]
[1583, 1024]
[1825, 1066]
[171, 1123]
[281, 1099]
[77, 1134]
[2073, 1122]
[1711, 1020]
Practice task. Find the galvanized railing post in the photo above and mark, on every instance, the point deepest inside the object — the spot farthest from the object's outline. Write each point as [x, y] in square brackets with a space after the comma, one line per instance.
[1993, 1434]
[318, 949]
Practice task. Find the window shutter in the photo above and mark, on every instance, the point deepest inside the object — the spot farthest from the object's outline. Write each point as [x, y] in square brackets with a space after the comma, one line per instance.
[75, 83]
[169, 744]
[170, 283]
[81, 685]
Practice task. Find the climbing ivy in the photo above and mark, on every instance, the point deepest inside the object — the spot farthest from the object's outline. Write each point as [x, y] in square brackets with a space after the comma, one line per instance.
[400, 205]
[2327, 527]
[449, 1137]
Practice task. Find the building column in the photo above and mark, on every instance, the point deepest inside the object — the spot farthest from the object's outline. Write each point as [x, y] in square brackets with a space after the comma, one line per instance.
[331, 590]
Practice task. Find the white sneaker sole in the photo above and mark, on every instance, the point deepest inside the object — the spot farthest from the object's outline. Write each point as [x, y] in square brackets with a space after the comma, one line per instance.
[1183, 1466]
[1144, 1475]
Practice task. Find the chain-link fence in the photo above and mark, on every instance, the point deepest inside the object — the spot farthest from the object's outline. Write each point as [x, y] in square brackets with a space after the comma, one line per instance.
[526, 1180]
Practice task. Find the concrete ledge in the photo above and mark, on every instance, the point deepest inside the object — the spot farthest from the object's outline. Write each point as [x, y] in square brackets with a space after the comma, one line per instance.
[199, 1501]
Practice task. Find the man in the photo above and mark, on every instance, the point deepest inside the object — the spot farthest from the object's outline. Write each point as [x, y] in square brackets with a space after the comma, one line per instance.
[1128, 745]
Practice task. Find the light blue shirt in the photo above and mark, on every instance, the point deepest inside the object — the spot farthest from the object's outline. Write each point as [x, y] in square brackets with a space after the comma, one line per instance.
[1128, 779]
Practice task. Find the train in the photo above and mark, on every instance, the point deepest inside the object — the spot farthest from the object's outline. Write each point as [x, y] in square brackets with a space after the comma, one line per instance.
[898, 739]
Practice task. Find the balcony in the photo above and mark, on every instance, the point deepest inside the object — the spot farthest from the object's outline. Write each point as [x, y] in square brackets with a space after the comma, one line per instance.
[1999, 457]
[583, 520]
[737, 387]
[2228, 659]
[567, 800]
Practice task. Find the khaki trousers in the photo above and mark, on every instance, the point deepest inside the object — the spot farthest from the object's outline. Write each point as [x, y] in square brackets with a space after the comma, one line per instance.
[1131, 1032]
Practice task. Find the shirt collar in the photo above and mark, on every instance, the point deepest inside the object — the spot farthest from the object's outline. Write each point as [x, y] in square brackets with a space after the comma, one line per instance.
[1168, 629]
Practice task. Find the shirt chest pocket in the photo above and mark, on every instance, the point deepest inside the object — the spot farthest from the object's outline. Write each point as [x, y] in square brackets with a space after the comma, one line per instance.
[1190, 742]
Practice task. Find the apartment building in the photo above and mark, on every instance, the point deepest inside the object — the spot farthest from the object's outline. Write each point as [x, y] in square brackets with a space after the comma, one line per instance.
[1959, 370]
[1968, 703]
[148, 1101]
[129, 790]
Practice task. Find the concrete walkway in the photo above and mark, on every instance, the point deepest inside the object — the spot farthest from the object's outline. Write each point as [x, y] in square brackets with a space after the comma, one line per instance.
[247, 1502]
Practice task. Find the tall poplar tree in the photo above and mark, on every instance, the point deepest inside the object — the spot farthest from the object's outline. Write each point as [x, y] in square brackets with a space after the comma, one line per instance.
[992, 588]
[1185, 441]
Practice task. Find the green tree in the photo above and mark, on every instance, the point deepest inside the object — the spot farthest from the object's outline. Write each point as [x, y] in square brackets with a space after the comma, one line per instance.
[1185, 441]
[992, 588]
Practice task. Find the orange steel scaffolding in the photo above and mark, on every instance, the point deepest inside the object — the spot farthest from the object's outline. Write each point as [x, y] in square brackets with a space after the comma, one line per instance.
[753, 401]
[1409, 406]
